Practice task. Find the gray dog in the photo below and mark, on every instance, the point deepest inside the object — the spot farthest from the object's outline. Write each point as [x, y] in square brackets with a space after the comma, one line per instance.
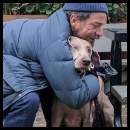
[62, 115]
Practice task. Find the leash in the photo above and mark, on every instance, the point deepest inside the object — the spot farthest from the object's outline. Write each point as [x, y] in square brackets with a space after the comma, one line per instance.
[99, 120]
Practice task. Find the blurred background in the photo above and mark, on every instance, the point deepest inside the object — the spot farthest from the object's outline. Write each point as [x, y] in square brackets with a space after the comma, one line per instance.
[117, 11]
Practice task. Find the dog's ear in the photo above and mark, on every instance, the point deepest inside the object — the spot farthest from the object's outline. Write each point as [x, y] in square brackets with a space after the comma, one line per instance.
[69, 40]
[95, 58]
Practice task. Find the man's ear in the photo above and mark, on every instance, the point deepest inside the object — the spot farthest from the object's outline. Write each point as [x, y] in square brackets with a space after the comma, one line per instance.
[73, 20]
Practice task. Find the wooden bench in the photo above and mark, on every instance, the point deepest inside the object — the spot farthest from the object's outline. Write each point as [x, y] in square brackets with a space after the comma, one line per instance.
[118, 34]
[119, 100]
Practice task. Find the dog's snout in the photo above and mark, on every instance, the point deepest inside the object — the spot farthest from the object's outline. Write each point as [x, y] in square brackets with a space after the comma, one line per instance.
[86, 62]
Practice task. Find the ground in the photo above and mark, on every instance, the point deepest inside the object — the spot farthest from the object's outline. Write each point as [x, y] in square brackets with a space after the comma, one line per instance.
[40, 121]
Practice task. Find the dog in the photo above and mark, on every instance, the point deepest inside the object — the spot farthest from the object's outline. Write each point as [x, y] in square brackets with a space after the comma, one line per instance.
[63, 115]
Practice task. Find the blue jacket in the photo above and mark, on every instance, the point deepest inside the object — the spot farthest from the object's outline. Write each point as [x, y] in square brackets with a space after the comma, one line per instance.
[36, 52]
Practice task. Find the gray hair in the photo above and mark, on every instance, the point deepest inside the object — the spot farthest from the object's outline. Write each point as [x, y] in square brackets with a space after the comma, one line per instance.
[80, 15]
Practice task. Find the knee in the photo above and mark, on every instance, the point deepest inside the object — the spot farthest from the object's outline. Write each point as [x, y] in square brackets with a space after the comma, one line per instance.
[31, 100]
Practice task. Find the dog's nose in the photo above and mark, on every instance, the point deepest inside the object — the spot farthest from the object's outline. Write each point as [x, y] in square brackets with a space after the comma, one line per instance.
[86, 62]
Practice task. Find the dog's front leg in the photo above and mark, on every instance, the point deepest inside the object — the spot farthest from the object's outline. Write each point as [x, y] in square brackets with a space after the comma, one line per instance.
[57, 113]
[106, 105]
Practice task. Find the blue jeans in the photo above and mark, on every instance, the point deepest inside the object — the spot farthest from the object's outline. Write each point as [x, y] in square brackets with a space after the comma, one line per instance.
[23, 112]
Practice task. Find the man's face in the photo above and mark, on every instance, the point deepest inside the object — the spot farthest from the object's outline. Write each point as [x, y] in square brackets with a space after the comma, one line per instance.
[89, 29]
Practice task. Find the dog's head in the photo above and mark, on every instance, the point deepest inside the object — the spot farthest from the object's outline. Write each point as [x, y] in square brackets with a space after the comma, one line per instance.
[82, 52]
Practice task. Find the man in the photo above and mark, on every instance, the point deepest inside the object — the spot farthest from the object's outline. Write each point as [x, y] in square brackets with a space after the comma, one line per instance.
[36, 55]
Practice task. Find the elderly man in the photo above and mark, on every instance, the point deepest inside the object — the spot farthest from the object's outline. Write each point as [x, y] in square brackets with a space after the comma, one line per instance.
[36, 55]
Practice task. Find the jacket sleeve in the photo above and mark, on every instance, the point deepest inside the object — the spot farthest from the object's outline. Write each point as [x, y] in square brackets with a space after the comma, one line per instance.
[67, 84]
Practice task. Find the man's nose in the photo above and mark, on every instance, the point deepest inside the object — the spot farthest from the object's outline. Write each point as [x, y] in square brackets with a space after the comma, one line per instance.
[99, 32]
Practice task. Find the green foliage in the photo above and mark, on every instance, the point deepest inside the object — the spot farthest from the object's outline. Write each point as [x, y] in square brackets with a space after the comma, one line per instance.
[117, 12]
[31, 8]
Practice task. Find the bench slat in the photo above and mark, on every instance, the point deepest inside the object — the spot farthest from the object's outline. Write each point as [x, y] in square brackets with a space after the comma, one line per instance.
[120, 92]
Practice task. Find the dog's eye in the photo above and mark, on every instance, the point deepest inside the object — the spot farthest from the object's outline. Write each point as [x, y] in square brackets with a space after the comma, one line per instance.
[89, 50]
[75, 47]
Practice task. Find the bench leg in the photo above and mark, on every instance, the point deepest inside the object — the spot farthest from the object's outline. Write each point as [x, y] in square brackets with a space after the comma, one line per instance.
[117, 111]
[116, 62]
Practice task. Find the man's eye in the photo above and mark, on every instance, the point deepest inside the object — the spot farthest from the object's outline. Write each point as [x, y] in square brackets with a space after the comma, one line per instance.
[96, 25]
